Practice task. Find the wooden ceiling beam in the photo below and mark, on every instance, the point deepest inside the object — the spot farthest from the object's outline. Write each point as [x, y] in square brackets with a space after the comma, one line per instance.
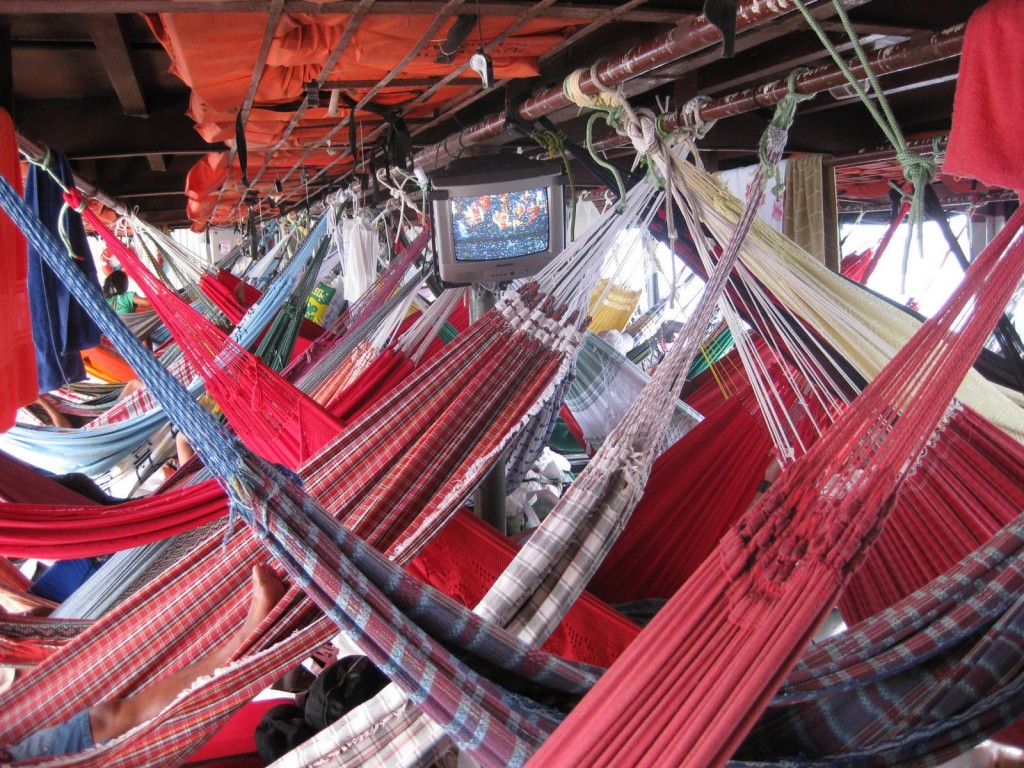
[395, 7]
[108, 33]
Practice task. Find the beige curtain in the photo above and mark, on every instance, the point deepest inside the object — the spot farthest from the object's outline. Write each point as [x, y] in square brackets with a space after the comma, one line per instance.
[810, 215]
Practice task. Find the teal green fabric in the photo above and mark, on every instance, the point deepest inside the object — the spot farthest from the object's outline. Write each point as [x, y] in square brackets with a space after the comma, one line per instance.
[123, 303]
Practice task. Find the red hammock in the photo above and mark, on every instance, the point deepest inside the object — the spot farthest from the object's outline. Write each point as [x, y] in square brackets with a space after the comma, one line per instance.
[860, 266]
[388, 370]
[68, 531]
[272, 419]
[221, 290]
[591, 632]
[697, 488]
[19, 385]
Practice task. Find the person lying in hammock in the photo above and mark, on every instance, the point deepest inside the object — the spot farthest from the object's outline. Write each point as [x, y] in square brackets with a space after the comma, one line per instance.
[114, 717]
[123, 301]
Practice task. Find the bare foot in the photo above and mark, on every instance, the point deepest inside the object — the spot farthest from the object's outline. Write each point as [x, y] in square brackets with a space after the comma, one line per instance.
[267, 590]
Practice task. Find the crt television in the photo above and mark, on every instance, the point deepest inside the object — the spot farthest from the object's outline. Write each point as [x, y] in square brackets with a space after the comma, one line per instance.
[496, 218]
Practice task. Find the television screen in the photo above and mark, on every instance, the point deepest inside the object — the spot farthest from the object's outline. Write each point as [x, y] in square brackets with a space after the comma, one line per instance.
[500, 226]
[496, 218]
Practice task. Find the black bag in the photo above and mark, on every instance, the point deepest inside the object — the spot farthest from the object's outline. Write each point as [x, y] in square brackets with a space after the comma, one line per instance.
[280, 730]
[341, 687]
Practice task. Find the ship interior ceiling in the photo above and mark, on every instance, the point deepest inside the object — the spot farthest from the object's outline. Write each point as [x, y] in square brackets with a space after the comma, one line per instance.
[138, 95]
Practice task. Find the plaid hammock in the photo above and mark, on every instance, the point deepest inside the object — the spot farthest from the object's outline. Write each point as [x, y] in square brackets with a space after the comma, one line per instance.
[129, 424]
[552, 568]
[606, 384]
[919, 682]
[206, 433]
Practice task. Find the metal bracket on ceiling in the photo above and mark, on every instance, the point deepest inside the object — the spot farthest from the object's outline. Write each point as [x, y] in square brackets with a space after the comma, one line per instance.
[312, 93]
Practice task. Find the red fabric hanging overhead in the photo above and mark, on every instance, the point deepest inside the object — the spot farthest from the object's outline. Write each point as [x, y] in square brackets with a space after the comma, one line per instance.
[214, 54]
[986, 138]
[19, 385]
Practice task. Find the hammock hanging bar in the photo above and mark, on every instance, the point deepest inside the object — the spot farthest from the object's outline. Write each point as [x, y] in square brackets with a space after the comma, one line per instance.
[895, 58]
[664, 49]
[36, 154]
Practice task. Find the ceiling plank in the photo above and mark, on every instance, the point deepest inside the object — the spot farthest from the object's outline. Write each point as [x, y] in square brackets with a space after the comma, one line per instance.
[111, 41]
[396, 7]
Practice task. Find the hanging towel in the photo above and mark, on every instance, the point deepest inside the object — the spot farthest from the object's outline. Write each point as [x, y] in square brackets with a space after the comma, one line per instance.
[987, 138]
[18, 384]
[60, 327]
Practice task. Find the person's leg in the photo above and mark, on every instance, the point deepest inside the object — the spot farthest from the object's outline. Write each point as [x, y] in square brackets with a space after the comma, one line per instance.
[117, 716]
[57, 418]
[183, 449]
[130, 387]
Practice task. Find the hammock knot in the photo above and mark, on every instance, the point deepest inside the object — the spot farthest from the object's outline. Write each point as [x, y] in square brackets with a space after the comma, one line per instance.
[606, 99]
[918, 169]
[774, 139]
[74, 200]
[643, 133]
[689, 121]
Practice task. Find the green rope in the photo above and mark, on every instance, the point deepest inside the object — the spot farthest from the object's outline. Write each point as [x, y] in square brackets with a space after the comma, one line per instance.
[62, 227]
[917, 169]
[785, 112]
[553, 143]
[611, 119]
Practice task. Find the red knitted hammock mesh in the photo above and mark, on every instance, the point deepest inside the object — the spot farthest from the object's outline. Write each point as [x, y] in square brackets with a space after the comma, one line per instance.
[692, 684]
[268, 414]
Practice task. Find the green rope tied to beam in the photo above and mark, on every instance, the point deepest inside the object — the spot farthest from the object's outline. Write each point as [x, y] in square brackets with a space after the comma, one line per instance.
[917, 169]
[607, 103]
[62, 226]
[553, 143]
[778, 129]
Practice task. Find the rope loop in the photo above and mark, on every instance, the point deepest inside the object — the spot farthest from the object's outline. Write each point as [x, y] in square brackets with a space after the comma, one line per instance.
[606, 99]
[773, 141]
[74, 200]
[643, 132]
[689, 120]
[47, 165]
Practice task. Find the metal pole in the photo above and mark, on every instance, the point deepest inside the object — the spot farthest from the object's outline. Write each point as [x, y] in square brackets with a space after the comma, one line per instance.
[489, 497]
[33, 151]
[689, 37]
[941, 45]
